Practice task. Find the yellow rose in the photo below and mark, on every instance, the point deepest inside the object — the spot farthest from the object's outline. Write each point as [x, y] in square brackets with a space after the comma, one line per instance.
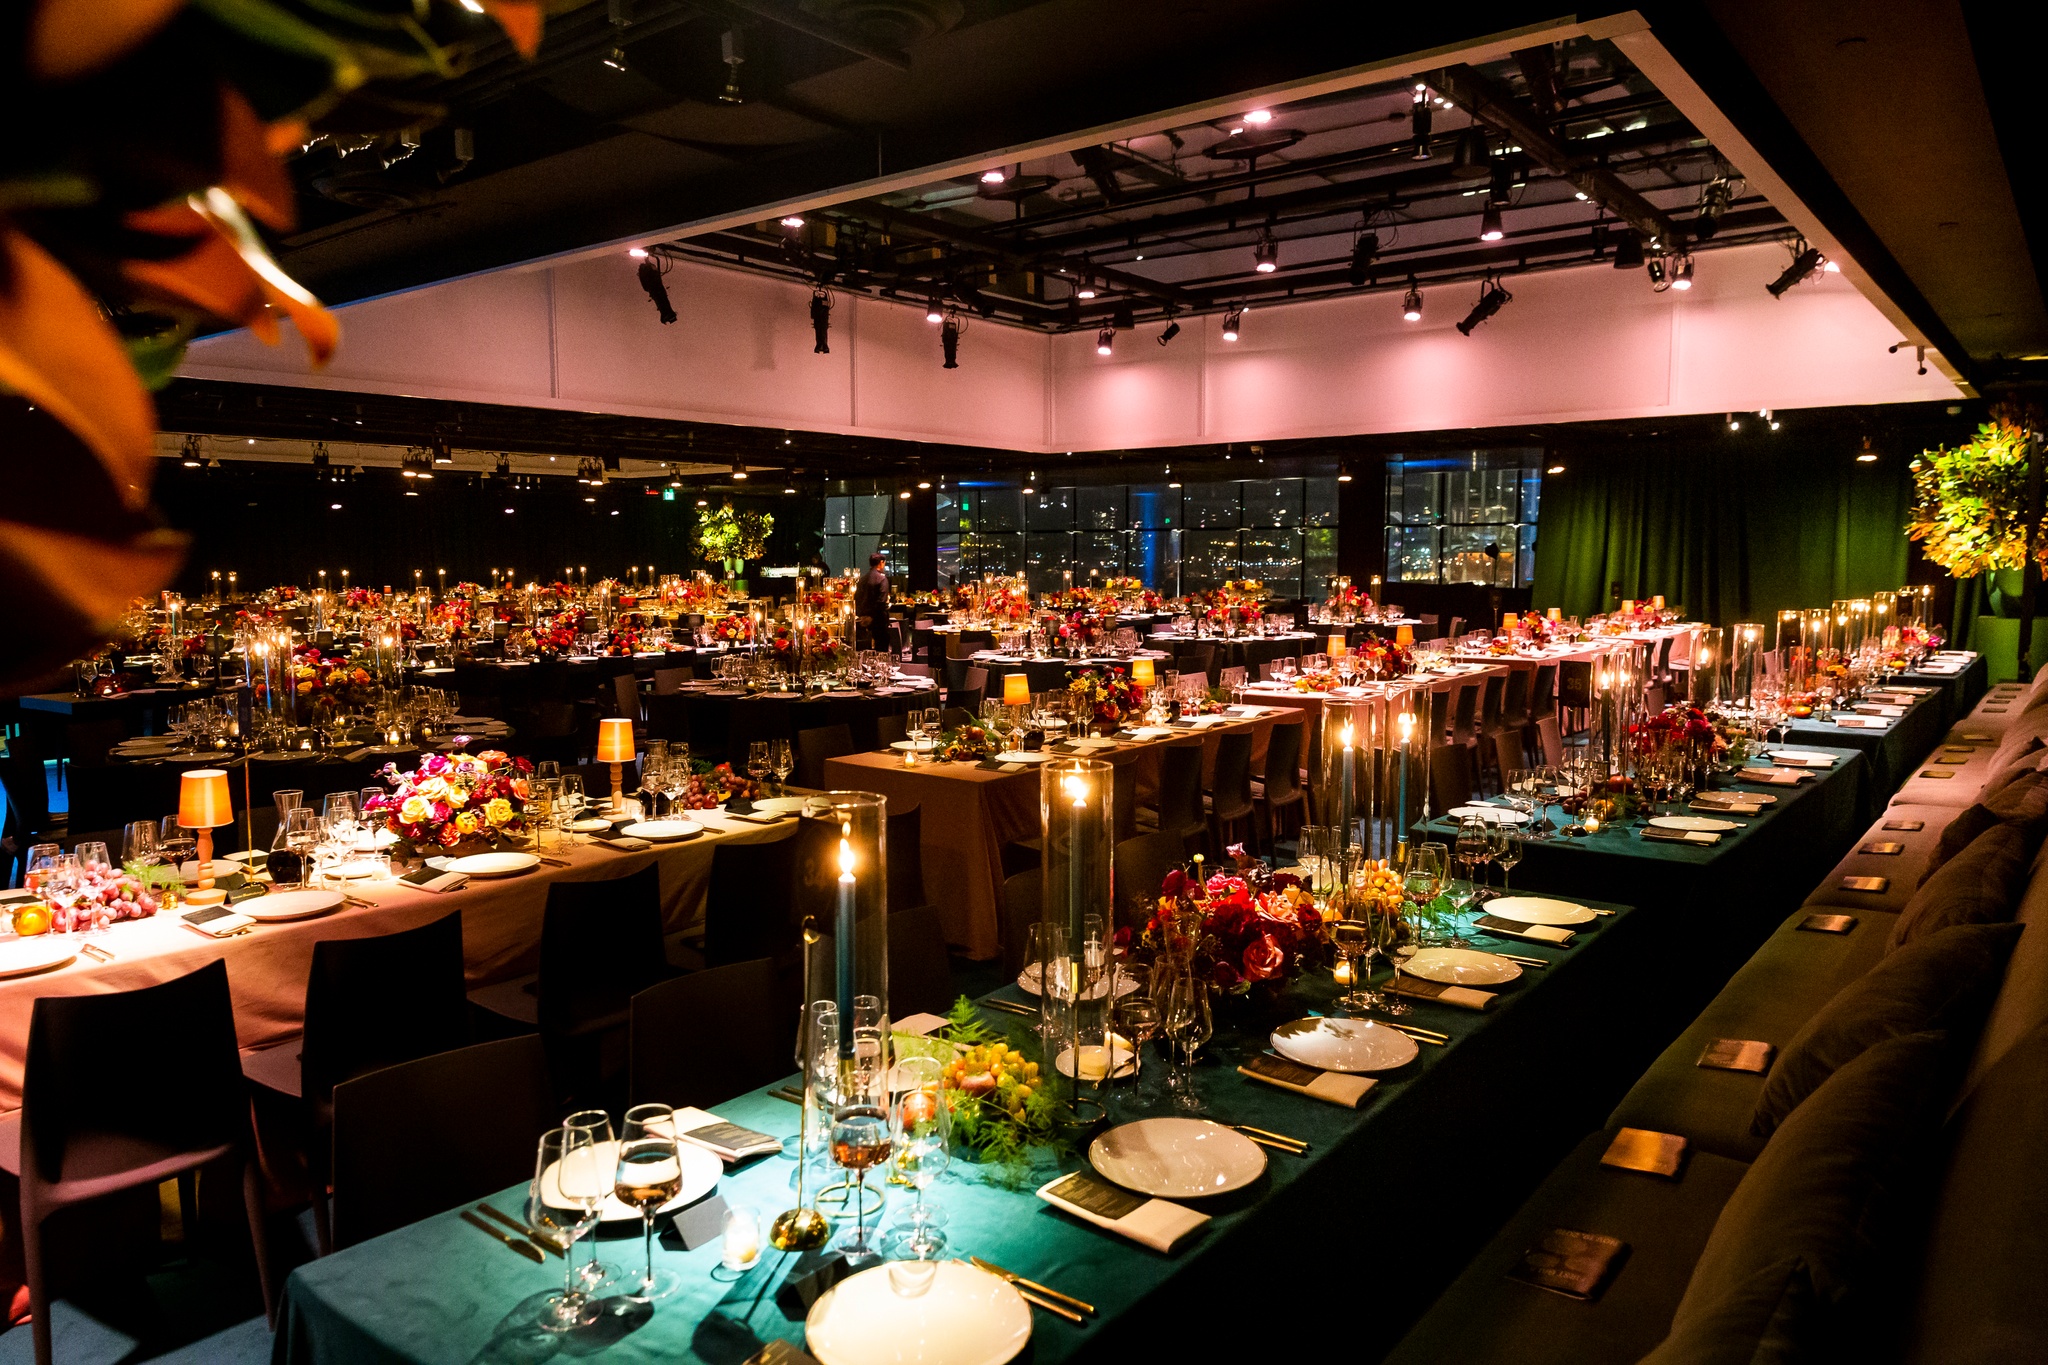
[467, 822]
[304, 688]
[456, 797]
[498, 811]
[415, 809]
[434, 789]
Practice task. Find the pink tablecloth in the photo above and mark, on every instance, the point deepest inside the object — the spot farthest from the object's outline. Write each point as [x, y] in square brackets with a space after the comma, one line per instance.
[267, 967]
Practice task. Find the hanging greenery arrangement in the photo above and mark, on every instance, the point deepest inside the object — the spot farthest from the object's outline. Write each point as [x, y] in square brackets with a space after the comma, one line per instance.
[728, 537]
[1969, 502]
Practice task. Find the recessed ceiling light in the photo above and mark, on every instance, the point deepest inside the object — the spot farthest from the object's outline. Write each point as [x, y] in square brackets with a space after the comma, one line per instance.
[334, 507]
[794, 220]
[994, 175]
[1343, 478]
[924, 483]
[590, 499]
[1259, 116]
[638, 253]
[508, 511]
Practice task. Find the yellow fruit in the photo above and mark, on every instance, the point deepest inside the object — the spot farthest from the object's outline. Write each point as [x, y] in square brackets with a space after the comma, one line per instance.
[33, 918]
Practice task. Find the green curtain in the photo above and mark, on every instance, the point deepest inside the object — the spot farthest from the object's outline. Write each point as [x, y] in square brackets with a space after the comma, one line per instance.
[1730, 531]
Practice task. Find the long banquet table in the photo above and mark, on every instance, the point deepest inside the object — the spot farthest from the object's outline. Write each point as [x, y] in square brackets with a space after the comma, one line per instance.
[1406, 1186]
[968, 812]
[268, 966]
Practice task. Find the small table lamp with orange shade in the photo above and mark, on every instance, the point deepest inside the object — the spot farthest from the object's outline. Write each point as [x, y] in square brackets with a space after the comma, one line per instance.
[204, 805]
[1141, 672]
[1016, 689]
[1404, 636]
[615, 746]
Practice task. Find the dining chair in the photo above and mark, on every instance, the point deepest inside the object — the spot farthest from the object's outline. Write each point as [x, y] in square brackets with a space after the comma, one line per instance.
[626, 695]
[1464, 721]
[707, 1037]
[888, 730]
[976, 688]
[1180, 790]
[1023, 906]
[437, 1133]
[124, 1091]
[1141, 865]
[920, 974]
[1280, 794]
[671, 680]
[1230, 809]
[1548, 741]
[906, 861]
[600, 944]
[916, 670]
[1451, 777]
[1439, 715]
[748, 907]
[956, 676]
[1230, 677]
[370, 1003]
[1457, 628]
[814, 746]
[1543, 692]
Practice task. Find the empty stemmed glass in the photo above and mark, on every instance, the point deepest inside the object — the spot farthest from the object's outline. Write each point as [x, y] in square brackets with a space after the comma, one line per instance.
[649, 1173]
[652, 779]
[1137, 1018]
[757, 761]
[1186, 1022]
[922, 1127]
[571, 802]
[782, 760]
[139, 845]
[1507, 851]
[594, 1274]
[571, 1178]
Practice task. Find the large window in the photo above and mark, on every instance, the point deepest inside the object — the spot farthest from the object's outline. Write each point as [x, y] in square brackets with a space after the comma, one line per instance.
[1186, 539]
[1464, 519]
[858, 526]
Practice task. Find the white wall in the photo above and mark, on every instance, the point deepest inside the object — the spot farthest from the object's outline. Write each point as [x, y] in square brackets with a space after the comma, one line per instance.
[1577, 344]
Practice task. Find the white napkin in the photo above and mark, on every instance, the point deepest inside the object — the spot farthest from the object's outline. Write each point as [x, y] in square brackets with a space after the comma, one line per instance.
[447, 881]
[1682, 836]
[1159, 1224]
[1332, 1087]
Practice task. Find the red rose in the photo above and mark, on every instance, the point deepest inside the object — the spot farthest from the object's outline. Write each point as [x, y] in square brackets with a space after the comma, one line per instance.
[1263, 958]
[1224, 975]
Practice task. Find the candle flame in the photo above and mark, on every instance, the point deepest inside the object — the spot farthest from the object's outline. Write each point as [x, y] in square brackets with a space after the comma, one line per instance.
[1076, 789]
[1347, 736]
[845, 860]
[1407, 724]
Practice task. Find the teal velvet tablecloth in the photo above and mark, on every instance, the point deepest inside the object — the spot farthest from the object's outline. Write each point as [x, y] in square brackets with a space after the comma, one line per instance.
[1891, 750]
[1401, 1191]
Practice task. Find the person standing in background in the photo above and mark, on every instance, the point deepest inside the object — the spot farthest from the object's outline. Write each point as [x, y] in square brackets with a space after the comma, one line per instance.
[871, 603]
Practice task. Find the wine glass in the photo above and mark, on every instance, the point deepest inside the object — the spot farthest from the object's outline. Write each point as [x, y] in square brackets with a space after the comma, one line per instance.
[1473, 849]
[757, 761]
[781, 760]
[860, 1141]
[1045, 956]
[571, 800]
[596, 1276]
[139, 845]
[1421, 884]
[648, 1175]
[675, 780]
[1507, 851]
[570, 1182]
[177, 842]
[1352, 932]
[1137, 1018]
[1186, 1021]
[922, 1126]
[651, 782]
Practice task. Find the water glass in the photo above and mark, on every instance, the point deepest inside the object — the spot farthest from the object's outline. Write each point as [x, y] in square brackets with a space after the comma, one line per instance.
[571, 1180]
[139, 845]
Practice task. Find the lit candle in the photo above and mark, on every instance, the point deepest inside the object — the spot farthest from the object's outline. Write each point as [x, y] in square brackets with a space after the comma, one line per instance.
[344, 580]
[1407, 734]
[1077, 792]
[1344, 795]
[843, 947]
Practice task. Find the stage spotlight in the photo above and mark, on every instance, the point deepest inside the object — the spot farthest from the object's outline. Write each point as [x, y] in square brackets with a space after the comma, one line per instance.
[994, 175]
[1086, 289]
[1866, 455]
[1489, 224]
[1172, 331]
[1364, 251]
[932, 311]
[1656, 273]
[1105, 341]
[1491, 297]
[1411, 302]
[1713, 203]
[1266, 253]
[739, 471]
[1681, 277]
[1420, 116]
[651, 281]
[949, 340]
[821, 321]
[1475, 158]
[1804, 263]
[1233, 321]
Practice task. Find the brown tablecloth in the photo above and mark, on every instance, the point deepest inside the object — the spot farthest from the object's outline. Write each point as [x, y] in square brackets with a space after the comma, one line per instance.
[267, 967]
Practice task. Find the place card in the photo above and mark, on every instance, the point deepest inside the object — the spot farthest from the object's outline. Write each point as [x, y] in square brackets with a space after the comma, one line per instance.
[1464, 997]
[1738, 1054]
[701, 1224]
[1157, 1223]
[1861, 723]
[1886, 849]
[1774, 777]
[428, 879]
[1651, 1153]
[1905, 826]
[1935, 772]
[626, 844]
[1828, 924]
[917, 1025]
[1726, 807]
[1875, 885]
[1528, 933]
[1576, 1264]
[729, 1140]
[1333, 1087]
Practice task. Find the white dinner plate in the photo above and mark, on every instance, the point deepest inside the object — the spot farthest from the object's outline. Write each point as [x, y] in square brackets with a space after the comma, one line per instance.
[1538, 910]
[220, 867]
[356, 869]
[42, 953]
[701, 1170]
[781, 805]
[1461, 967]
[1349, 1045]
[1692, 823]
[1027, 982]
[1022, 756]
[1177, 1158]
[592, 825]
[662, 831]
[914, 746]
[1493, 815]
[1119, 1047]
[494, 864]
[965, 1316]
[1803, 757]
[280, 906]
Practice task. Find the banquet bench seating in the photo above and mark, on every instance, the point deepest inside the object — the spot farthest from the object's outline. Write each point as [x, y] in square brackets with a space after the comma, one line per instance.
[1955, 1282]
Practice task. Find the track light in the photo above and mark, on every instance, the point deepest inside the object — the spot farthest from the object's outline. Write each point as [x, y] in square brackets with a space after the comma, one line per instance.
[994, 175]
[1420, 115]
[1656, 273]
[1266, 254]
[1628, 250]
[1364, 251]
[1489, 224]
[1804, 263]
[1105, 341]
[821, 321]
[793, 221]
[1086, 289]
[949, 340]
[1713, 203]
[1259, 116]
[1491, 297]
[651, 281]
[190, 453]
[1555, 469]
[1344, 477]
[1681, 276]
[732, 50]
[638, 253]
[739, 471]
[1172, 331]
[1411, 302]
[933, 312]
[1233, 321]
[1734, 422]
[1866, 455]
[924, 483]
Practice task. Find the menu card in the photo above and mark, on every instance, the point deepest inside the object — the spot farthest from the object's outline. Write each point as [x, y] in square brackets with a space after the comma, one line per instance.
[1640, 1149]
[1774, 777]
[1737, 1054]
[729, 1140]
[1828, 924]
[1159, 1224]
[1464, 997]
[1575, 1264]
[1333, 1087]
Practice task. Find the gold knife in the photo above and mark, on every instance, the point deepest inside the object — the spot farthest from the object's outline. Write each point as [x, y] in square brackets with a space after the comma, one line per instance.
[518, 1244]
[532, 1234]
[1018, 1280]
[1250, 1131]
[1006, 1007]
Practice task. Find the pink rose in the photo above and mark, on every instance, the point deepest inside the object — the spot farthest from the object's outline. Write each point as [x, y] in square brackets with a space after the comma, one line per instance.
[1263, 958]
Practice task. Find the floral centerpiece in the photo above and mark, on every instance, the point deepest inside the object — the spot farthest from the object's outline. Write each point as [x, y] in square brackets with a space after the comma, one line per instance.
[452, 801]
[1315, 680]
[557, 635]
[1109, 697]
[329, 683]
[362, 598]
[1081, 627]
[1238, 937]
[733, 629]
[968, 744]
[1349, 598]
[1007, 604]
[622, 640]
[1682, 729]
[822, 647]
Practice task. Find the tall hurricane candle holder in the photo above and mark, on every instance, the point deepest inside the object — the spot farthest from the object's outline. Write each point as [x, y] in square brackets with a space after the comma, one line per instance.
[1077, 816]
[1705, 679]
[1744, 649]
[1353, 737]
